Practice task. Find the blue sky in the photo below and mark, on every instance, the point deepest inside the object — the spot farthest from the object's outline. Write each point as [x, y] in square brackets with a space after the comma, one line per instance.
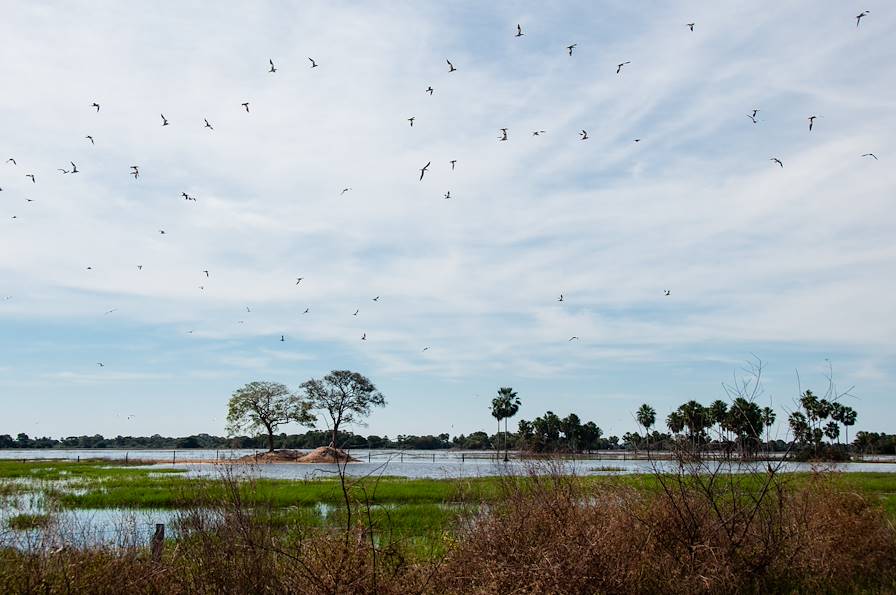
[794, 265]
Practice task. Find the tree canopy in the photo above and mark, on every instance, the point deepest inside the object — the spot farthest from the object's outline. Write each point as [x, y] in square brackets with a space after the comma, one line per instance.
[265, 406]
[346, 397]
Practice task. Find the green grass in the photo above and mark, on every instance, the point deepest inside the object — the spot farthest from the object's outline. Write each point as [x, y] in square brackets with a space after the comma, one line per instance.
[25, 521]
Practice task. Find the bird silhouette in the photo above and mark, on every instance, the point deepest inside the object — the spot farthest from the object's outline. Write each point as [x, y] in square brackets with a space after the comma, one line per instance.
[860, 16]
[135, 171]
[306, 310]
[538, 132]
[519, 31]
[637, 140]
[376, 299]
[313, 63]
[90, 138]
[870, 155]
[100, 364]
[620, 65]
[668, 292]
[451, 67]
[33, 181]
[344, 190]
[570, 48]
[453, 161]
[425, 348]
[691, 26]
[364, 337]
[162, 232]
[74, 167]
[584, 135]
[11, 160]
[107, 312]
[778, 161]
[299, 280]
[356, 312]
[273, 69]
[560, 299]
[206, 273]
[429, 90]
[423, 170]
[164, 120]
[811, 122]
[573, 338]
[246, 105]
[139, 267]
[447, 195]
[96, 105]
[282, 338]
[503, 134]
[411, 120]
[207, 125]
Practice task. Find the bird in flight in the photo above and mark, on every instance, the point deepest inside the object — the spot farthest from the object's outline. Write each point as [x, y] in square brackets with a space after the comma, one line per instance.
[429, 90]
[668, 292]
[299, 280]
[860, 16]
[503, 134]
[207, 125]
[282, 338]
[573, 338]
[306, 310]
[364, 337]
[246, 105]
[313, 63]
[570, 48]
[778, 161]
[100, 364]
[376, 299]
[538, 132]
[344, 190]
[206, 273]
[74, 167]
[453, 161]
[164, 120]
[753, 116]
[110, 311]
[11, 160]
[273, 69]
[32, 178]
[139, 267]
[691, 26]
[356, 312]
[560, 299]
[620, 65]
[135, 171]
[90, 138]
[811, 122]
[96, 105]
[411, 120]
[519, 31]
[451, 67]
[637, 140]
[447, 195]
[423, 170]
[247, 309]
[161, 232]
[584, 135]
[870, 155]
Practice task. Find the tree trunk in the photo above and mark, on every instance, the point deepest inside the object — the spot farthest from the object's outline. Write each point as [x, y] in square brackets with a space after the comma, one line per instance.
[270, 439]
[505, 441]
[333, 441]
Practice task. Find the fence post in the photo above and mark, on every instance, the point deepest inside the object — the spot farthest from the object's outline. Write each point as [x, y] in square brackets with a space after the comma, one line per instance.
[158, 542]
[173, 457]
[433, 457]
[125, 458]
[462, 455]
[368, 455]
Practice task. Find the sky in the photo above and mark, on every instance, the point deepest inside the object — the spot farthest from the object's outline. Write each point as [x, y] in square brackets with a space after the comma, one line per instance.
[792, 265]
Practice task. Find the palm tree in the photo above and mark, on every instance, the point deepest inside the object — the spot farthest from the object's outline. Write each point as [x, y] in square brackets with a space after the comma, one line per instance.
[848, 418]
[646, 416]
[505, 405]
[768, 418]
[832, 430]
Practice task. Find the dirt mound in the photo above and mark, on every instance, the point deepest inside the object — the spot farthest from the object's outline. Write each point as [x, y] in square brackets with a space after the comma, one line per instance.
[324, 454]
[327, 454]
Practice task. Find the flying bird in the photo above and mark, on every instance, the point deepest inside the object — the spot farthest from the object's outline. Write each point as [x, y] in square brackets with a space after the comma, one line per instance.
[637, 140]
[247, 309]
[164, 120]
[135, 171]
[753, 116]
[306, 310]
[560, 299]
[161, 232]
[139, 267]
[860, 16]
[503, 134]
[356, 312]
[96, 105]
[313, 63]
[570, 48]
[584, 135]
[11, 160]
[90, 138]
[811, 122]
[273, 69]
[519, 31]
[668, 292]
[364, 337]
[776, 160]
[429, 90]
[691, 26]
[74, 167]
[573, 338]
[206, 273]
[376, 299]
[100, 364]
[110, 311]
[870, 155]
[620, 65]
[344, 190]
[32, 178]
[453, 161]
[411, 120]
[451, 67]
[447, 195]
[207, 125]
[423, 170]
[299, 280]
[282, 338]
[246, 105]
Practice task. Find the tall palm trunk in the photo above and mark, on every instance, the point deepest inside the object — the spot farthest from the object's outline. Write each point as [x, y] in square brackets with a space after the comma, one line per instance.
[506, 448]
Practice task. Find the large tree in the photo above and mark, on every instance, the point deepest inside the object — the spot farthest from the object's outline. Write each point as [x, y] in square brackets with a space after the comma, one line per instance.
[504, 406]
[265, 406]
[346, 397]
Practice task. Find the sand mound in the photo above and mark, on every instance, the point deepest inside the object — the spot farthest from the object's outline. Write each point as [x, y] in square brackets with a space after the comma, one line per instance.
[324, 454]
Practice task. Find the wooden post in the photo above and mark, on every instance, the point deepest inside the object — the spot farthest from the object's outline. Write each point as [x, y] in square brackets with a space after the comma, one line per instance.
[368, 455]
[158, 542]
[79, 459]
[433, 457]
[173, 457]
[462, 457]
[125, 458]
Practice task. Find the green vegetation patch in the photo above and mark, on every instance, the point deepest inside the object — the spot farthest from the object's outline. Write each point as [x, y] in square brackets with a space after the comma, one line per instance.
[26, 521]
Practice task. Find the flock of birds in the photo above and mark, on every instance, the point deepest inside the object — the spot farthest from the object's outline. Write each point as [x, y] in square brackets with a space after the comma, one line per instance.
[503, 136]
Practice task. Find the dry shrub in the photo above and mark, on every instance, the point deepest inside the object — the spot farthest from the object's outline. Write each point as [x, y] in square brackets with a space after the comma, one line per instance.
[558, 534]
